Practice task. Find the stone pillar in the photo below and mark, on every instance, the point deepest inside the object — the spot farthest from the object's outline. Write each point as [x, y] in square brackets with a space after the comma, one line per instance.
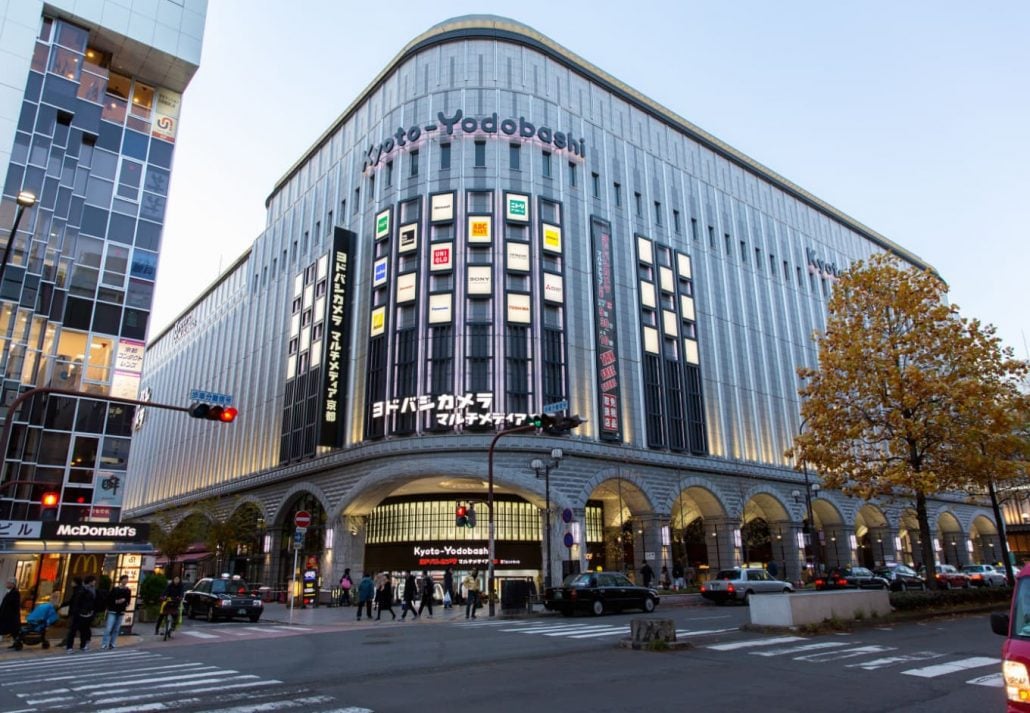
[837, 545]
[349, 546]
[648, 544]
[722, 553]
[785, 549]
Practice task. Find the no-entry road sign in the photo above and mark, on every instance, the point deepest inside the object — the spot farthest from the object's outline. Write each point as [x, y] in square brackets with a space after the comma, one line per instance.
[302, 518]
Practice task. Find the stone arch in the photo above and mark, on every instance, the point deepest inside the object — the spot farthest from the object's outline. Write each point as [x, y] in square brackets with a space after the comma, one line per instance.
[290, 495]
[643, 497]
[690, 508]
[985, 538]
[763, 516]
[872, 536]
[950, 539]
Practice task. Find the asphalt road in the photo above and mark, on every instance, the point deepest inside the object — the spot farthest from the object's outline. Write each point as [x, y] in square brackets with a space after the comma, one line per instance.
[549, 663]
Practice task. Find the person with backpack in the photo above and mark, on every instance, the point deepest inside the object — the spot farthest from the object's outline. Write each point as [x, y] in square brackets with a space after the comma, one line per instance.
[366, 593]
[345, 587]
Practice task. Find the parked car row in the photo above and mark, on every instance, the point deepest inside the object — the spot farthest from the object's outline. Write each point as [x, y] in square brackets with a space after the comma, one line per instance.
[741, 583]
[898, 577]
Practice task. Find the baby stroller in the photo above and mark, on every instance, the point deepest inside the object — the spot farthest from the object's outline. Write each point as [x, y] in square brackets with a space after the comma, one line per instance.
[33, 631]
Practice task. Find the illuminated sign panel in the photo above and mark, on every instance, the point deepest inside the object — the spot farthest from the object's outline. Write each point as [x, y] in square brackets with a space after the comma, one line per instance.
[479, 230]
[608, 381]
[336, 354]
[516, 207]
[552, 238]
[441, 207]
[408, 241]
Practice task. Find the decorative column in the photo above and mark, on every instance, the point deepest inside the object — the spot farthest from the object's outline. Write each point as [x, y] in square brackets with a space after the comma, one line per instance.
[650, 542]
[722, 552]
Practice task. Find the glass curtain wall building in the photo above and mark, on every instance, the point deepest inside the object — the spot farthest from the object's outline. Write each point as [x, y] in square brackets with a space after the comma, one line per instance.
[495, 228]
[90, 123]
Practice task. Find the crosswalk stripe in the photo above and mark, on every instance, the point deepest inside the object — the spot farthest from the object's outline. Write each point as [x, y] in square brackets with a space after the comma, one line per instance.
[597, 634]
[263, 629]
[798, 649]
[755, 642]
[845, 654]
[994, 680]
[891, 660]
[588, 630]
[137, 695]
[688, 632]
[199, 634]
[946, 668]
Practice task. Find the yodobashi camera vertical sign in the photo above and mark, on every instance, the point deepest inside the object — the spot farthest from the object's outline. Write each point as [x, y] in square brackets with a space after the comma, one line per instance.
[605, 330]
[336, 355]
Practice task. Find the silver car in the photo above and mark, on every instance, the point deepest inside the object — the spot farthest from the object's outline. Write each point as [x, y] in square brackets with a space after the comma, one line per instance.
[984, 575]
[739, 583]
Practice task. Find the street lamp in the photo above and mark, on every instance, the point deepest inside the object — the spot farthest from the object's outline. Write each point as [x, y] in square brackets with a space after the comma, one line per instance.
[26, 199]
[540, 466]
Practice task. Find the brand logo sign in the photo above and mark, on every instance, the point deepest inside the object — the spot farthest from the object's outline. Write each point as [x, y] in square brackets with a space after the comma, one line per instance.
[560, 140]
[94, 531]
[816, 264]
[517, 207]
[383, 224]
[379, 272]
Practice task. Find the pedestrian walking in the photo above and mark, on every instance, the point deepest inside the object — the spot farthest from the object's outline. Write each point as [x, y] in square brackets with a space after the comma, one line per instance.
[448, 588]
[427, 593]
[379, 580]
[471, 584]
[366, 593]
[80, 615]
[118, 602]
[171, 599]
[408, 596]
[384, 598]
[10, 612]
[345, 587]
[647, 574]
[664, 578]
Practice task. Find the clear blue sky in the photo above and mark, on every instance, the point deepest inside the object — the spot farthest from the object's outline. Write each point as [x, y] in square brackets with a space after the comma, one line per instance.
[912, 117]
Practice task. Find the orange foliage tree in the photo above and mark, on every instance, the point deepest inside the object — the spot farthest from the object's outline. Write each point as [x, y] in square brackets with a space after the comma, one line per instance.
[907, 392]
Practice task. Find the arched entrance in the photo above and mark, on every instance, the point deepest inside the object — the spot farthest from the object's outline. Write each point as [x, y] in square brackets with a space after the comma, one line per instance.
[985, 540]
[827, 547]
[951, 543]
[872, 535]
[693, 512]
[309, 552]
[765, 535]
[616, 543]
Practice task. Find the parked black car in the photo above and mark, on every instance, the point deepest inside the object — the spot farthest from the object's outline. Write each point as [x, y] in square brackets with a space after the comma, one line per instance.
[597, 593]
[851, 578]
[222, 598]
[900, 577]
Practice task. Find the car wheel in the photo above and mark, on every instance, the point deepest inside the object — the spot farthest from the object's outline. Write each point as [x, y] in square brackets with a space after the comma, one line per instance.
[254, 618]
[648, 605]
[903, 587]
[787, 590]
[210, 613]
[597, 608]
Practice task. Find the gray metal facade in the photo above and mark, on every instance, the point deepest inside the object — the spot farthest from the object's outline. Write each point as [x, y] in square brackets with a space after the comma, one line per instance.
[762, 253]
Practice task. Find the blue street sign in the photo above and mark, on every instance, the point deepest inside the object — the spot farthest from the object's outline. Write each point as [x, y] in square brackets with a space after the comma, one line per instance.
[210, 397]
[556, 407]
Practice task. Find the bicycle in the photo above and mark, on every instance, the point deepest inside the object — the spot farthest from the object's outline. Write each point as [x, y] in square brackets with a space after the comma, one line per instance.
[171, 611]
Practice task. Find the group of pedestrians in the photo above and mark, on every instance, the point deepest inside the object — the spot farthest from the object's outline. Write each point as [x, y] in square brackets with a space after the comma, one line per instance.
[377, 592]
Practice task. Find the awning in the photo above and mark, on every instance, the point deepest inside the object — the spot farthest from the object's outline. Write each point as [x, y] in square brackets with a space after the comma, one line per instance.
[184, 559]
[65, 547]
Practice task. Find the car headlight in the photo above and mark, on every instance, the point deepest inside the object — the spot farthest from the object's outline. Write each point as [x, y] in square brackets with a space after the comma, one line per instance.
[1017, 682]
[225, 603]
[257, 603]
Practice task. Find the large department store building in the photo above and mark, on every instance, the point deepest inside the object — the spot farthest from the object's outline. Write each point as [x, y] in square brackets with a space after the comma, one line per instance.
[89, 111]
[495, 228]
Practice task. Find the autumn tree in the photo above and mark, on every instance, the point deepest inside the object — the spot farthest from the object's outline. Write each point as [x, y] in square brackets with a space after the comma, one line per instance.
[224, 535]
[901, 379]
[171, 540]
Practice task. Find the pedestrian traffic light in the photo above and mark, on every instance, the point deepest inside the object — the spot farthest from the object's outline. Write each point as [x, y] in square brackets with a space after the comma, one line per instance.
[210, 412]
[470, 517]
[461, 518]
[48, 503]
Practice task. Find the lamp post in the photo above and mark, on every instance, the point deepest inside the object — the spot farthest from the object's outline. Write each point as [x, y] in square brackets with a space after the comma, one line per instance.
[26, 199]
[546, 468]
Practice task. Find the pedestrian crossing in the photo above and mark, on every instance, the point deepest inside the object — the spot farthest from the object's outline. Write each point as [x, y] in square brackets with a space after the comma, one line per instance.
[876, 657]
[569, 630]
[139, 681]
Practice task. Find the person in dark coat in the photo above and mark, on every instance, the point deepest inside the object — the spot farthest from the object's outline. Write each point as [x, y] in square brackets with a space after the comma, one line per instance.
[647, 574]
[408, 604]
[428, 589]
[448, 588]
[172, 598]
[10, 612]
[384, 597]
[80, 615]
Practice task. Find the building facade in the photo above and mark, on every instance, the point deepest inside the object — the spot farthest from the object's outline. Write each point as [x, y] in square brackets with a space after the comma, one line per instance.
[90, 113]
[497, 228]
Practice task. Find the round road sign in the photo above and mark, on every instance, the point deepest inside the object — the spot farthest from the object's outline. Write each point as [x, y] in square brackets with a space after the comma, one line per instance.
[302, 518]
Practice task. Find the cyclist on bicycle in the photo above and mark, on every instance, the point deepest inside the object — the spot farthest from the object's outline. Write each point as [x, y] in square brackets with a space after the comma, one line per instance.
[171, 600]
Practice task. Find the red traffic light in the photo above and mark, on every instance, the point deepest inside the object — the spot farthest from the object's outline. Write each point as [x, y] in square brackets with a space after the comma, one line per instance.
[224, 414]
[50, 499]
[461, 516]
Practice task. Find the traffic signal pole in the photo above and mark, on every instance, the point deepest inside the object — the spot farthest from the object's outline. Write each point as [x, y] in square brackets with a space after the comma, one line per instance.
[490, 507]
[11, 410]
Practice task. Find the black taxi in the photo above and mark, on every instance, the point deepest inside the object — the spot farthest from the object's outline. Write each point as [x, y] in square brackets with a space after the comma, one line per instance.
[222, 598]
